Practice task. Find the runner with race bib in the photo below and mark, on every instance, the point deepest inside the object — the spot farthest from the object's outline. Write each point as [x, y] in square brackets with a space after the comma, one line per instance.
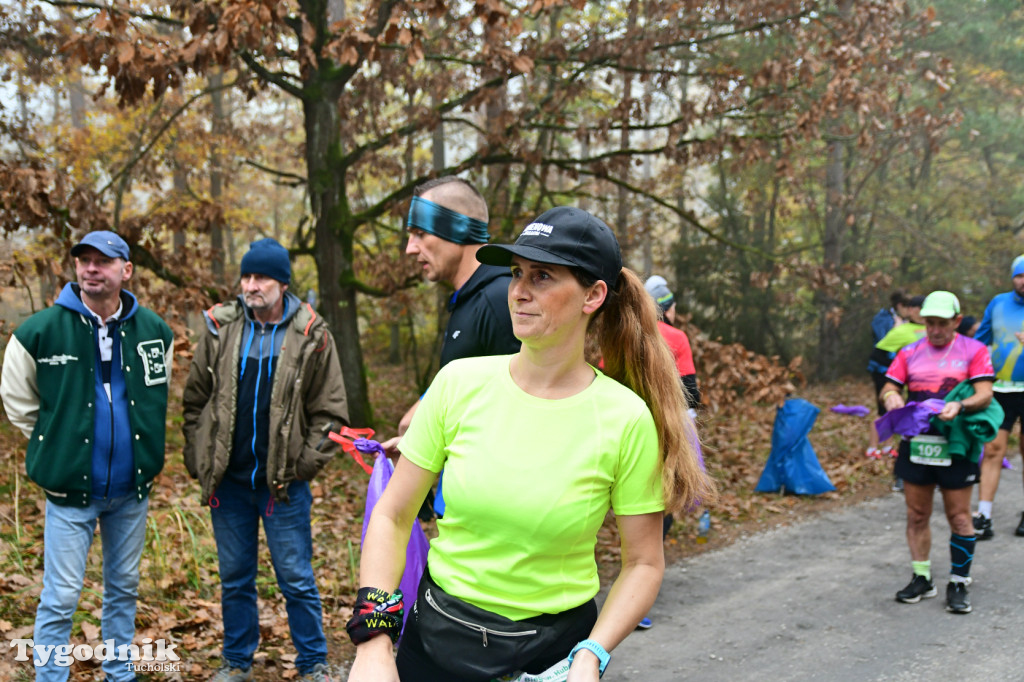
[932, 368]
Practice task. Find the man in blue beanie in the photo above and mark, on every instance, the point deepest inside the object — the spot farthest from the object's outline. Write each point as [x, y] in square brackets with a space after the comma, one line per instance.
[264, 389]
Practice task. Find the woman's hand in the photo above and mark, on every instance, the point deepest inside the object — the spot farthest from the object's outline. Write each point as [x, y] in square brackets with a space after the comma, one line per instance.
[391, 448]
[893, 400]
[375, 662]
[584, 668]
[951, 411]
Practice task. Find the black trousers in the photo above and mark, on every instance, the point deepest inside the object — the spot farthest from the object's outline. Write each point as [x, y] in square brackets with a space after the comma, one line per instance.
[414, 665]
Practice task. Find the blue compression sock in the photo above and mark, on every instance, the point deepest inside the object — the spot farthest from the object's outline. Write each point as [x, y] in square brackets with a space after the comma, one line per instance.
[961, 554]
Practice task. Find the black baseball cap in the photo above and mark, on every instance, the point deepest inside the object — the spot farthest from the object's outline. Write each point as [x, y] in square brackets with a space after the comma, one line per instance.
[567, 236]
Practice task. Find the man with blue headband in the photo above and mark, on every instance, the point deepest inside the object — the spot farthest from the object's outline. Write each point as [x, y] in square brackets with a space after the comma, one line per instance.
[447, 225]
[1002, 330]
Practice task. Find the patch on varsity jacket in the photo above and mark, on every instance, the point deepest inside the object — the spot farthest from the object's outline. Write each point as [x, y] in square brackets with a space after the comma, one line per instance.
[153, 361]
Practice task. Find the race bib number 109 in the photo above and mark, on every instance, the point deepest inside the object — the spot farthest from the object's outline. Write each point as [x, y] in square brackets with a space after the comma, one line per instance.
[930, 450]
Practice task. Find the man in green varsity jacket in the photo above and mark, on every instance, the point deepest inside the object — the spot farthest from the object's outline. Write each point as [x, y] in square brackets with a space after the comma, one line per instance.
[86, 382]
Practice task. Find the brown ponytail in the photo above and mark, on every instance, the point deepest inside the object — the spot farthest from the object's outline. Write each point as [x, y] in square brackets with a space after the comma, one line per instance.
[636, 355]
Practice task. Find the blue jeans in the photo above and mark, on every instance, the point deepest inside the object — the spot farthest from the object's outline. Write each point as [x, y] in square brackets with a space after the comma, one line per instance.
[236, 511]
[67, 537]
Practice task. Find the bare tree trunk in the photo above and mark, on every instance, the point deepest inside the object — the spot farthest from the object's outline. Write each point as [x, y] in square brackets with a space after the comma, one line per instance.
[76, 91]
[829, 342]
[584, 201]
[497, 187]
[217, 125]
[395, 324]
[646, 228]
[684, 95]
[328, 201]
[437, 148]
[22, 97]
[276, 213]
[334, 245]
[835, 221]
[441, 295]
[179, 191]
[622, 204]
[335, 10]
[76, 99]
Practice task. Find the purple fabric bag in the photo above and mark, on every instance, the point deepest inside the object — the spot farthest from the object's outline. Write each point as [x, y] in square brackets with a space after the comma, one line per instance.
[912, 419]
[416, 550]
[855, 410]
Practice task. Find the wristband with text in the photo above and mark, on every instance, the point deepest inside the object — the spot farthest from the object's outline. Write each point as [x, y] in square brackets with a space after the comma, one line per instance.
[590, 645]
[376, 612]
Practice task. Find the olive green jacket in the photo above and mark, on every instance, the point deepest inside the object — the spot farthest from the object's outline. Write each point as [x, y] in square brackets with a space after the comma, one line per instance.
[307, 399]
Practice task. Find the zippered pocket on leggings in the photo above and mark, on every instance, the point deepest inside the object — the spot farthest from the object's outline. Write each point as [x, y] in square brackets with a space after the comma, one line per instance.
[484, 631]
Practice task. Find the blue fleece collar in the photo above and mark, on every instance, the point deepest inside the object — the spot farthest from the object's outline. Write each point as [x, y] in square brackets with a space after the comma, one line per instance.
[70, 297]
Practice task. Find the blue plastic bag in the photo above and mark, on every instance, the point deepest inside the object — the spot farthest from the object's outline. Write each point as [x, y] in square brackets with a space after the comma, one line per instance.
[792, 465]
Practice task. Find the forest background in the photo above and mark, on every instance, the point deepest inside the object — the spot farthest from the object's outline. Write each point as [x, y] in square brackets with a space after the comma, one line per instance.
[785, 164]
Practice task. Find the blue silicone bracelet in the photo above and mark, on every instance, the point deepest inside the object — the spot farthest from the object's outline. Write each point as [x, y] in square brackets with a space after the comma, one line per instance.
[590, 645]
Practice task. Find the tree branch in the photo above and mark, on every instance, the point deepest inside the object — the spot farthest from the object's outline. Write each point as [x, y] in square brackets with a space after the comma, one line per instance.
[270, 76]
[385, 139]
[685, 215]
[298, 179]
[163, 129]
[159, 18]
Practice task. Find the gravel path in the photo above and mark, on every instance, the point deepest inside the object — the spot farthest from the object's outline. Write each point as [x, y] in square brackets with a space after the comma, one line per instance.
[815, 601]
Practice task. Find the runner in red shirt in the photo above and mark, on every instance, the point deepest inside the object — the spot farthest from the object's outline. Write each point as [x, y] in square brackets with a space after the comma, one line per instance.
[676, 338]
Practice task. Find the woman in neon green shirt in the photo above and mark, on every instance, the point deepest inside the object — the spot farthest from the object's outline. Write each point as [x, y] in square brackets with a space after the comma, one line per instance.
[536, 448]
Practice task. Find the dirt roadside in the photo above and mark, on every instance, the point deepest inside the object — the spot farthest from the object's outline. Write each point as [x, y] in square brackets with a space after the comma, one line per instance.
[814, 600]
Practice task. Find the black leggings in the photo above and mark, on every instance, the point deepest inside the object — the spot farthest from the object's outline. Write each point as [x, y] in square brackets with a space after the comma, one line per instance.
[414, 665]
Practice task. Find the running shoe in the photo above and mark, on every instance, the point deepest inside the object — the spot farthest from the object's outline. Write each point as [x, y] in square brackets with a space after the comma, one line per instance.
[644, 624]
[957, 600]
[321, 673]
[919, 587]
[1020, 527]
[897, 485]
[983, 527]
[889, 451]
[873, 453]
